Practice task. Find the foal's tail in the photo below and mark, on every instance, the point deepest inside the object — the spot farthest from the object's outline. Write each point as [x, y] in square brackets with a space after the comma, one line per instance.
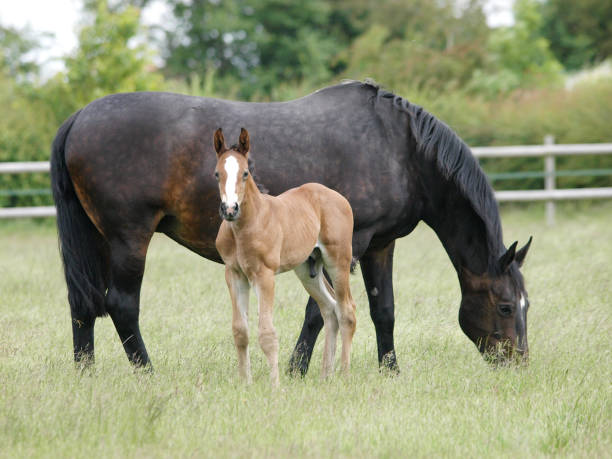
[82, 248]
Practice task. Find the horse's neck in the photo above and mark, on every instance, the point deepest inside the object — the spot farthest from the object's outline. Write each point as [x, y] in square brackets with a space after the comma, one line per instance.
[461, 230]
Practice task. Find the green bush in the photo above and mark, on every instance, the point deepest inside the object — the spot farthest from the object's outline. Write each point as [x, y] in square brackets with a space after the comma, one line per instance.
[578, 115]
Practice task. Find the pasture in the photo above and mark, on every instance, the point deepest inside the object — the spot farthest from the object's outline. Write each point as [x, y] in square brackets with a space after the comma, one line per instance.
[445, 402]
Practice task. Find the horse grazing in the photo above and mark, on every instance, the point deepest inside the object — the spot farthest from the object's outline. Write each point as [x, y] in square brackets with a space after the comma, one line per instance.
[304, 229]
[129, 165]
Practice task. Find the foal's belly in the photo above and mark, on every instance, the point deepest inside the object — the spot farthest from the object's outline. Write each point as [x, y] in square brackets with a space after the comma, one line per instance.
[294, 260]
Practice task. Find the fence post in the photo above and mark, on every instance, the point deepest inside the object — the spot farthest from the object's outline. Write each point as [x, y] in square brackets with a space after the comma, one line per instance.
[549, 180]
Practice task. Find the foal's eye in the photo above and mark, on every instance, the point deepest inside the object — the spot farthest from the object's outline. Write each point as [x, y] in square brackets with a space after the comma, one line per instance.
[505, 309]
[245, 175]
[217, 175]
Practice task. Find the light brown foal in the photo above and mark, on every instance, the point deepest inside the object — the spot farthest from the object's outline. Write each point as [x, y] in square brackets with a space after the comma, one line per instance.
[263, 235]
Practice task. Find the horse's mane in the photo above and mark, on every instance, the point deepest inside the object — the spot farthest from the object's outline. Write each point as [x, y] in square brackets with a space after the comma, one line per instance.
[454, 159]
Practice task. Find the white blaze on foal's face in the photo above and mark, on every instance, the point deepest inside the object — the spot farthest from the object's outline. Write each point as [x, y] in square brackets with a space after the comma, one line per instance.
[229, 196]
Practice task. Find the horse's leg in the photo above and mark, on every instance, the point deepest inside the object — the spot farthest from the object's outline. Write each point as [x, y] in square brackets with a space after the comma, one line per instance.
[313, 323]
[268, 339]
[377, 271]
[323, 295]
[127, 261]
[238, 286]
[83, 339]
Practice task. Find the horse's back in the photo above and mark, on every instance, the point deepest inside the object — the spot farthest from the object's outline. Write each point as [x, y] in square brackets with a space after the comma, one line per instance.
[148, 157]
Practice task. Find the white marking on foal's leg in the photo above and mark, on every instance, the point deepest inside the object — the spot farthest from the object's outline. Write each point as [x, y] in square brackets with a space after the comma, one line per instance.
[231, 167]
[317, 289]
[243, 300]
[241, 289]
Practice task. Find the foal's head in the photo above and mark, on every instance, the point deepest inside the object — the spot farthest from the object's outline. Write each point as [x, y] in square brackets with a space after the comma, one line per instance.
[232, 172]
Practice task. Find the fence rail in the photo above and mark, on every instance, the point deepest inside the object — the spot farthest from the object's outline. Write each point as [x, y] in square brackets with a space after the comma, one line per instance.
[549, 150]
[24, 167]
[522, 151]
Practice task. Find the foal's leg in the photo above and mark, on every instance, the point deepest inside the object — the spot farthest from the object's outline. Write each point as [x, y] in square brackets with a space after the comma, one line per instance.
[238, 286]
[127, 261]
[345, 310]
[268, 339]
[323, 295]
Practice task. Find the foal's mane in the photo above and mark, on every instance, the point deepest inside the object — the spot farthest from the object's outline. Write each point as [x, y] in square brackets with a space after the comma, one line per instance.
[454, 160]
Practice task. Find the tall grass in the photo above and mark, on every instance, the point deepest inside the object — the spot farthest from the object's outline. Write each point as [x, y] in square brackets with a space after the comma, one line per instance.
[445, 402]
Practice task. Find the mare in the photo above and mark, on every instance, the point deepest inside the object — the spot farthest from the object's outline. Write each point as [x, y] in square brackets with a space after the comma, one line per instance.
[304, 229]
[128, 165]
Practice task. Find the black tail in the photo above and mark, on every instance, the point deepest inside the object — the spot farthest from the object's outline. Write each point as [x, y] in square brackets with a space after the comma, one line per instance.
[83, 249]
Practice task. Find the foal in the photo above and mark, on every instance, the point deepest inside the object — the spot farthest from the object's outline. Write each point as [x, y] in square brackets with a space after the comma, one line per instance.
[304, 229]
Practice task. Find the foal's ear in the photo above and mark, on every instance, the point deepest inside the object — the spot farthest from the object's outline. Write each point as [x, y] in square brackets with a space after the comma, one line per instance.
[219, 141]
[243, 141]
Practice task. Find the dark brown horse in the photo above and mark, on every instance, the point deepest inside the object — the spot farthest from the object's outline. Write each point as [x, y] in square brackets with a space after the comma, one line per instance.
[129, 165]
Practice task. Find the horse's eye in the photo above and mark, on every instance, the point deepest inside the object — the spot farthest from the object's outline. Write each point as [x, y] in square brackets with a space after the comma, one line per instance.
[505, 309]
[245, 175]
[217, 175]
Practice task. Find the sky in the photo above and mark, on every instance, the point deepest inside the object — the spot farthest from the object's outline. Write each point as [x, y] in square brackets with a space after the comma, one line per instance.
[60, 18]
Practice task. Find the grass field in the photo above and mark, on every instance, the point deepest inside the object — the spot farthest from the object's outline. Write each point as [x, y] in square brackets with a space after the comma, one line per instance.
[445, 402]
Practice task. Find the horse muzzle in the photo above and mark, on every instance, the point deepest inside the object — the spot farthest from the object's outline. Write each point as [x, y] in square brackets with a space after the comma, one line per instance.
[504, 352]
[229, 213]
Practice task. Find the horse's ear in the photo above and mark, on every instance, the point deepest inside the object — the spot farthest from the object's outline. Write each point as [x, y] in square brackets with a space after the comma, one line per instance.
[507, 258]
[522, 253]
[243, 141]
[219, 141]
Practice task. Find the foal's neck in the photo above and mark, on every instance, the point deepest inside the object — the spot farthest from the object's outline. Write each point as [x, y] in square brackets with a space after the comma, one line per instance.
[251, 206]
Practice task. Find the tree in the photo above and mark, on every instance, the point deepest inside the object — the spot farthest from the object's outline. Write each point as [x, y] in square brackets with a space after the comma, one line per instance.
[579, 32]
[210, 36]
[16, 46]
[420, 45]
[518, 56]
[109, 57]
[25, 124]
[255, 44]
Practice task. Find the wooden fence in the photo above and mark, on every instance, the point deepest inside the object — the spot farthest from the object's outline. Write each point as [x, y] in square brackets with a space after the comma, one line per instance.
[549, 150]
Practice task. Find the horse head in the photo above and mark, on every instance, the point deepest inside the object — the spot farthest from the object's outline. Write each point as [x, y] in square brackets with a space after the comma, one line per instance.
[493, 311]
[231, 172]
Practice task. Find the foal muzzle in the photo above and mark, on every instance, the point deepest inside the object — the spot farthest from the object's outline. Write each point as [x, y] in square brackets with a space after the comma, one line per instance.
[229, 213]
